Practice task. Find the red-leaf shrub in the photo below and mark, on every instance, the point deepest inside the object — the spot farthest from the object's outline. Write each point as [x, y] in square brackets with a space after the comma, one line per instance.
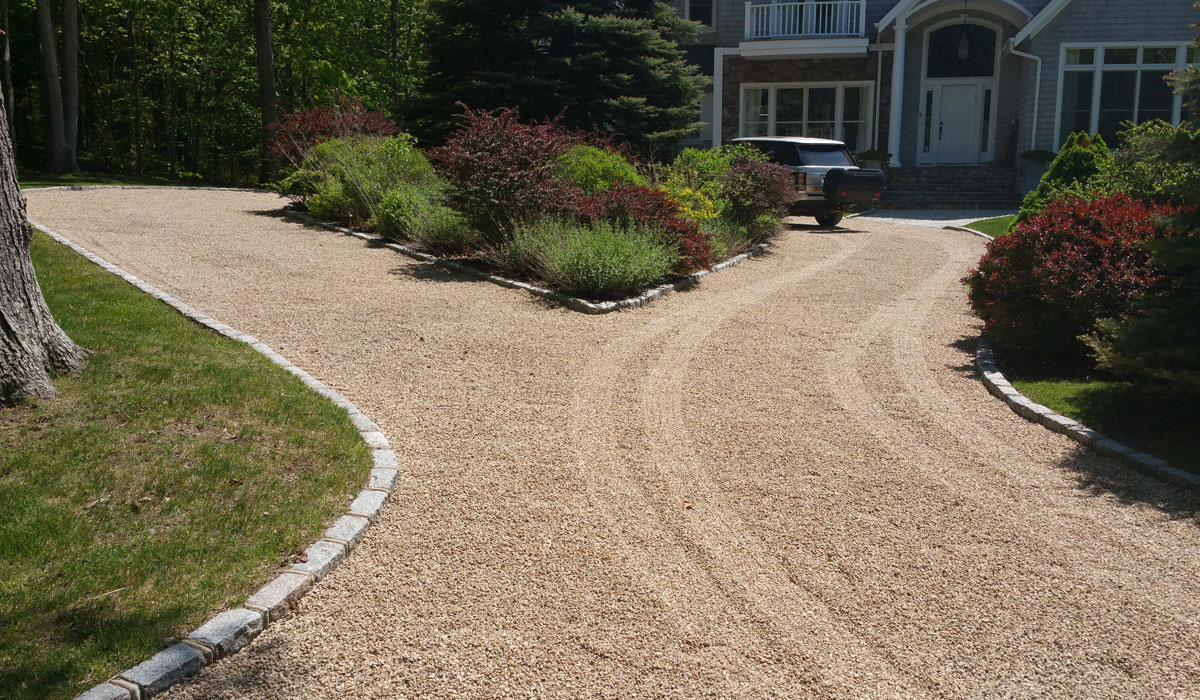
[635, 205]
[502, 170]
[296, 134]
[1043, 286]
[754, 190]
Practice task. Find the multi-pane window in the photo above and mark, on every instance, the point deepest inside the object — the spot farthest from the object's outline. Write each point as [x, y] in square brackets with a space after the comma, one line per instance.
[700, 11]
[840, 112]
[1106, 86]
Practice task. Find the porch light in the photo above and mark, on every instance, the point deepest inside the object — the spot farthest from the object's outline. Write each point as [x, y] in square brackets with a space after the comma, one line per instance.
[964, 44]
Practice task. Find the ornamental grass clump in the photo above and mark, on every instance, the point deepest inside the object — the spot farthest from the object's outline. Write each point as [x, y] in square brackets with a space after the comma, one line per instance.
[418, 213]
[1043, 287]
[345, 179]
[601, 260]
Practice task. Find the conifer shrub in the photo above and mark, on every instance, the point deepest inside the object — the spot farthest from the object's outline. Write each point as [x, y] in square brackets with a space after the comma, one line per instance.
[1043, 287]
[1079, 161]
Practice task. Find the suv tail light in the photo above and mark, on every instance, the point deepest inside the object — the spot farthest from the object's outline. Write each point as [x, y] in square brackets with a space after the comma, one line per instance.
[801, 180]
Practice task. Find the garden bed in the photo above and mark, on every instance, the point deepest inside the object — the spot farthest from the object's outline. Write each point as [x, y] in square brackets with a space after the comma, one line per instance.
[480, 269]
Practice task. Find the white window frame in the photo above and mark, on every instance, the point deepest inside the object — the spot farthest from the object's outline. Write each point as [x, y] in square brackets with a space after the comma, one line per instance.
[687, 14]
[1097, 67]
[839, 104]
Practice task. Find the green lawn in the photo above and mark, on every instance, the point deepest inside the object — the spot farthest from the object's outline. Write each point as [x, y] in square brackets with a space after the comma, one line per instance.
[1164, 429]
[164, 484]
[993, 227]
[31, 180]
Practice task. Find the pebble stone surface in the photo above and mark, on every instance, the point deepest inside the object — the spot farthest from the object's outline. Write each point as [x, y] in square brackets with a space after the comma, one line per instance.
[785, 483]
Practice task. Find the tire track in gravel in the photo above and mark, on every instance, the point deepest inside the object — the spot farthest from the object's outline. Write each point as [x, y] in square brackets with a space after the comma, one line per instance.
[715, 549]
[990, 474]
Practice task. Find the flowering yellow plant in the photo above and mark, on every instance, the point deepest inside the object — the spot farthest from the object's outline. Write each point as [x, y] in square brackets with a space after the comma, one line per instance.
[695, 205]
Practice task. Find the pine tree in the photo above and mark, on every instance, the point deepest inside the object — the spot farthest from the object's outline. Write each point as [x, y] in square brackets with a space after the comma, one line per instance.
[611, 65]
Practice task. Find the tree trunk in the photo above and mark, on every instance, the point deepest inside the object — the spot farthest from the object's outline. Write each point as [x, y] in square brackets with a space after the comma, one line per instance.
[395, 34]
[56, 138]
[8, 85]
[32, 346]
[266, 84]
[70, 81]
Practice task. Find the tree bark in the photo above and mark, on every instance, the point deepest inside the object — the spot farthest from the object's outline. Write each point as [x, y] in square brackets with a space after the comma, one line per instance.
[395, 34]
[70, 81]
[32, 346]
[267, 97]
[56, 138]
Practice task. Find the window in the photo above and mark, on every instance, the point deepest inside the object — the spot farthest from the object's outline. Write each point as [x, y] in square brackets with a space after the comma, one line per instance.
[944, 46]
[839, 112]
[1104, 87]
[700, 11]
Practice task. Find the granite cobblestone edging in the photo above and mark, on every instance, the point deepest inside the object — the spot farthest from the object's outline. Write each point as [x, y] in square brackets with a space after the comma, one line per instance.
[231, 630]
[573, 303]
[1001, 388]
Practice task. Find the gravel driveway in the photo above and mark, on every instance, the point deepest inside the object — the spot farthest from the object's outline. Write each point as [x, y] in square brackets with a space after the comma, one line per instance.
[786, 483]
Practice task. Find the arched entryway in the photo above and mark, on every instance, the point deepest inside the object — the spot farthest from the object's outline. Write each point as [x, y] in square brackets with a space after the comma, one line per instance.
[959, 83]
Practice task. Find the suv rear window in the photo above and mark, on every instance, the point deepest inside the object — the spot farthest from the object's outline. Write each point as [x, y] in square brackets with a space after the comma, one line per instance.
[795, 155]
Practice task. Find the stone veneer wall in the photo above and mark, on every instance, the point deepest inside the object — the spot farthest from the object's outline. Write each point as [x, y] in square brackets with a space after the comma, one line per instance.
[740, 70]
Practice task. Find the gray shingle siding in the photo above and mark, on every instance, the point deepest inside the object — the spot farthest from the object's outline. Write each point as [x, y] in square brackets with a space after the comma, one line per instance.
[1099, 21]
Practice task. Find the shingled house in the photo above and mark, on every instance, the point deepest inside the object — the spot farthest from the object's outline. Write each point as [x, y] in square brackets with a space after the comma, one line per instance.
[939, 83]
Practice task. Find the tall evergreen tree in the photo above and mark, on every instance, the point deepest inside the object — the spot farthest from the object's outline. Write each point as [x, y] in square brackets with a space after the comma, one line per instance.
[611, 64]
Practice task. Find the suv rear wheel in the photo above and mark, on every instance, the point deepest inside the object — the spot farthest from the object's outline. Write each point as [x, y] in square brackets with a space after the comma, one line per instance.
[829, 218]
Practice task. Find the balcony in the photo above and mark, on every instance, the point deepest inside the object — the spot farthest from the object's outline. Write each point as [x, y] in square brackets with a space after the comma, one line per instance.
[814, 28]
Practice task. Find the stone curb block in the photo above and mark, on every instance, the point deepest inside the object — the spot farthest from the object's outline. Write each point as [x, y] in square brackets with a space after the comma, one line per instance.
[573, 303]
[1148, 464]
[383, 479]
[228, 632]
[322, 556]
[349, 529]
[368, 504]
[105, 691]
[231, 630]
[375, 439]
[274, 599]
[135, 693]
[363, 423]
[165, 669]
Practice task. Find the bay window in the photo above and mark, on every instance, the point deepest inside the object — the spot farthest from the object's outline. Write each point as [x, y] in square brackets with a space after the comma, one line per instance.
[816, 110]
[1105, 86]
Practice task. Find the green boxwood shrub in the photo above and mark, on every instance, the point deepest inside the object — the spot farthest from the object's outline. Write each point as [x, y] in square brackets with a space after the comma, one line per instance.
[595, 169]
[600, 260]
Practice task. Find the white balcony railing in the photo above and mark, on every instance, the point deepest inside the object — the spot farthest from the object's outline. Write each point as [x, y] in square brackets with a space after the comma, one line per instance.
[804, 20]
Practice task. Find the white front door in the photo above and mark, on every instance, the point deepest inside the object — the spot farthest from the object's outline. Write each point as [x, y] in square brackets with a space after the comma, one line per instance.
[958, 125]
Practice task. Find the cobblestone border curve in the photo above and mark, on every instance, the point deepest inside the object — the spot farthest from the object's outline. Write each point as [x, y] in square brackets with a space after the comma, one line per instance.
[573, 303]
[1001, 388]
[230, 631]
